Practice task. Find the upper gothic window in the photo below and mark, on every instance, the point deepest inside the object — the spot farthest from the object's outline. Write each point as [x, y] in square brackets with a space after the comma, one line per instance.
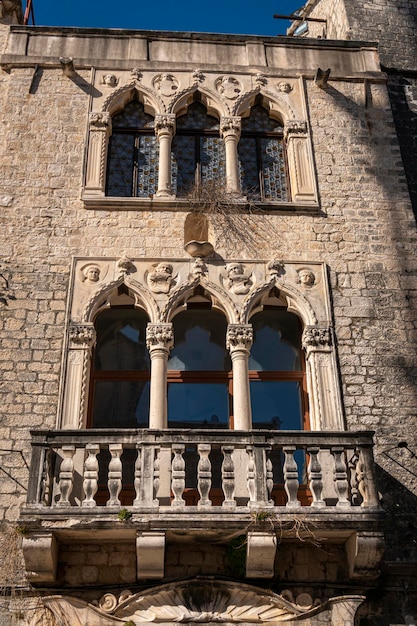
[133, 153]
[261, 157]
[198, 153]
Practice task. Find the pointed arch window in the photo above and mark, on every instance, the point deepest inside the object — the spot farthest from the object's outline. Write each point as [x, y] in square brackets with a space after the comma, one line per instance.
[120, 371]
[261, 154]
[133, 153]
[198, 153]
[199, 371]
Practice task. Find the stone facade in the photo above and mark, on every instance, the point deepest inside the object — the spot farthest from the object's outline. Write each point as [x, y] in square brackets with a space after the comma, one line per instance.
[340, 253]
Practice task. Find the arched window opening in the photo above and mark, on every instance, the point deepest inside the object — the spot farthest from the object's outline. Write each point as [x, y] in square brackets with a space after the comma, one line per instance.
[198, 153]
[120, 370]
[133, 153]
[276, 371]
[262, 157]
[199, 370]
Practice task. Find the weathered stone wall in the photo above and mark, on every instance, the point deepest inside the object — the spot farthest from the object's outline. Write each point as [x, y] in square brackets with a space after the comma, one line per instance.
[365, 233]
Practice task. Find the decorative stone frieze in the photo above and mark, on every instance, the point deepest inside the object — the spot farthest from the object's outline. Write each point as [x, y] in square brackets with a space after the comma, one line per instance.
[295, 127]
[316, 337]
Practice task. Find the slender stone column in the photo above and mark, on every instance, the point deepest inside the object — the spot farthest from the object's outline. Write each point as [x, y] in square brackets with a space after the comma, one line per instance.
[159, 340]
[82, 338]
[239, 341]
[100, 131]
[230, 131]
[164, 130]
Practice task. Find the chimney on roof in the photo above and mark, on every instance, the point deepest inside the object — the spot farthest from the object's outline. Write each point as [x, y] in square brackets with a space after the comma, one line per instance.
[11, 12]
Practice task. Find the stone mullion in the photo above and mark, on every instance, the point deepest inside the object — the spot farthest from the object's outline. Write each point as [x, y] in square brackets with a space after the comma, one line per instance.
[230, 128]
[164, 130]
[81, 340]
[299, 162]
[100, 131]
[159, 340]
[239, 342]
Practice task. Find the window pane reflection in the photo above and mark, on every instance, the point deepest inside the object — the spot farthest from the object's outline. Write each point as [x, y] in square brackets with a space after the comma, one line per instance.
[198, 405]
[276, 405]
[121, 341]
[276, 345]
[121, 404]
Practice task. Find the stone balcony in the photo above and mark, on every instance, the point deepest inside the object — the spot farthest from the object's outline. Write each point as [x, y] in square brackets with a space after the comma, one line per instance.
[146, 486]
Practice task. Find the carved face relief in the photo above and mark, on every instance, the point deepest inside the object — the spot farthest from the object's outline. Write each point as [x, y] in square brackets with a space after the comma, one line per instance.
[284, 87]
[306, 277]
[166, 84]
[160, 280]
[110, 80]
[236, 280]
[229, 87]
[91, 274]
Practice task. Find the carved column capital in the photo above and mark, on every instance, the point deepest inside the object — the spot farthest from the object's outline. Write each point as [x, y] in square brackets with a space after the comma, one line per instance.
[82, 336]
[295, 127]
[165, 124]
[239, 337]
[100, 121]
[159, 336]
[317, 338]
[231, 126]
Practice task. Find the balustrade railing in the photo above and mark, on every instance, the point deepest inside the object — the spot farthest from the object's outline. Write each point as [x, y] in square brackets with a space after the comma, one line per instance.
[226, 470]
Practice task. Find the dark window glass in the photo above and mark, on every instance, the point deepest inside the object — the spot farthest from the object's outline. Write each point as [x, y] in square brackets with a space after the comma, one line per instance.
[120, 373]
[198, 153]
[261, 156]
[133, 153]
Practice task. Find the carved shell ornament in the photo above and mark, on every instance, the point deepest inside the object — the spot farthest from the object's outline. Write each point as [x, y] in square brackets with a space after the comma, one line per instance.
[228, 87]
[166, 84]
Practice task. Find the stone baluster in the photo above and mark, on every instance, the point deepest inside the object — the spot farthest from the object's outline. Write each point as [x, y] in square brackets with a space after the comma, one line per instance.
[315, 477]
[164, 130]
[178, 475]
[204, 475]
[366, 478]
[90, 482]
[46, 480]
[355, 476]
[239, 342]
[115, 474]
[269, 480]
[138, 476]
[230, 128]
[66, 475]
[340, 476]
[100, 131]
[251, 476]
[291, 482]
[159, 340]
[228, 477]
[156, 479]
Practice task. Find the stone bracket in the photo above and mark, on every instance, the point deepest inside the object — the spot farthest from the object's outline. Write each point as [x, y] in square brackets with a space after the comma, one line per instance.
[40, 552]
[260, 555]
[150, 555]
[364, 553]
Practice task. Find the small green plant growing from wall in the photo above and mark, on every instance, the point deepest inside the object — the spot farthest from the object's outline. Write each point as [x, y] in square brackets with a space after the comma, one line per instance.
[124, 515]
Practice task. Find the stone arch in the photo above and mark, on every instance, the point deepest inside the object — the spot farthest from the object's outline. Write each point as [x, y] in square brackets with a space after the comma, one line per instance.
[118, 99]
[213, 104]
[223, 301]
[277, 107]
[101, 299]
[296, 302]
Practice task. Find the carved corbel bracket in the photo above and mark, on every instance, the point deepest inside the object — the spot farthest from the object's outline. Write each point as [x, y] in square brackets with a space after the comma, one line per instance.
[150, 554]
[260, 556]
[364, 553]
[40, 552]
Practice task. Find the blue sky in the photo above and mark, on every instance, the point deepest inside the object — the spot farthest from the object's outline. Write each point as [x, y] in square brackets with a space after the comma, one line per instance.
[221, 16]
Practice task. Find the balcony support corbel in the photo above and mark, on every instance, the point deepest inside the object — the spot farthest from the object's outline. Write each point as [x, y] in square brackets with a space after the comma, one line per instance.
[40, 551]
[260, 555]
[150, 555]
[364, 552]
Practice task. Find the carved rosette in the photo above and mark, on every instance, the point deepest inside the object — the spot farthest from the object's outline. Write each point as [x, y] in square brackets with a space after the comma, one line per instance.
[317, 338]
[165, 124]
[82, 336]
[159, 336]
[295, 127]
[239, 337]
[231, 126]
